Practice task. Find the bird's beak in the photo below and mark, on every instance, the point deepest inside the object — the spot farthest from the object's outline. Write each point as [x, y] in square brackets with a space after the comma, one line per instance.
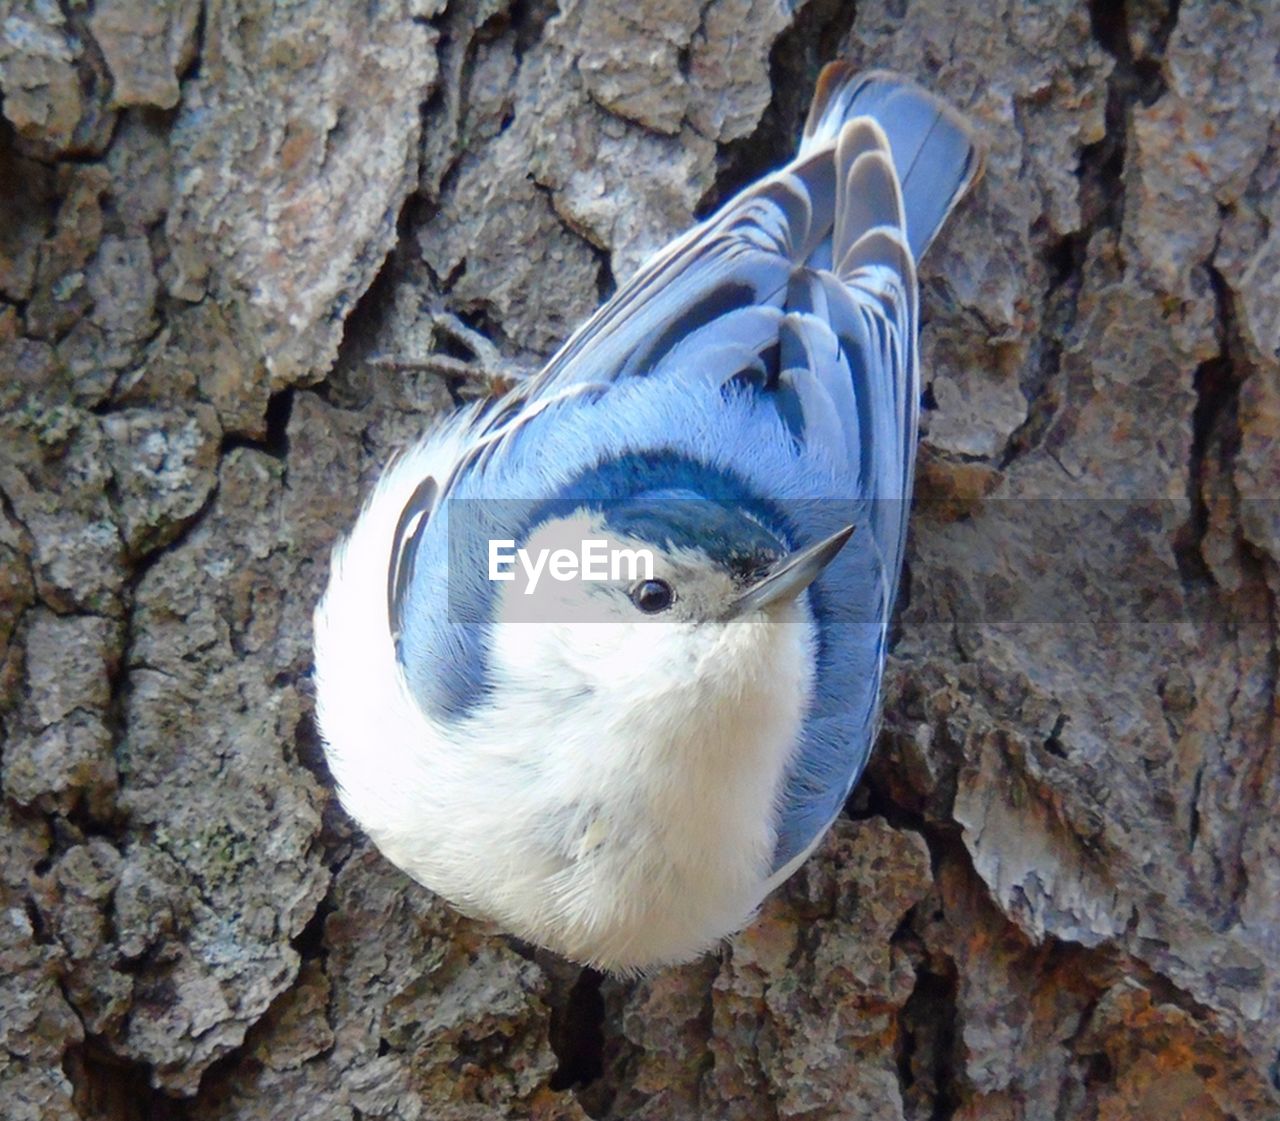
[791, 575]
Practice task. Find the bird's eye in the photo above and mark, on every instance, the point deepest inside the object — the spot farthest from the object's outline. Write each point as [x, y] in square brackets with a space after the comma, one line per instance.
[652, 596]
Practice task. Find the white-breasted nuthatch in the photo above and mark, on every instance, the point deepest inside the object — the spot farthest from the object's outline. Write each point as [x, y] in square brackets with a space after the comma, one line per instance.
[621, 765]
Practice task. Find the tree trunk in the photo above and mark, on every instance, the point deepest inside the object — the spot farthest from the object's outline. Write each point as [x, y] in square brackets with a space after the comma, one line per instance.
[1057, 892]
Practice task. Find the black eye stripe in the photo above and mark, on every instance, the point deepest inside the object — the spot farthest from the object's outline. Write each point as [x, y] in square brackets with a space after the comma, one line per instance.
[652, 596]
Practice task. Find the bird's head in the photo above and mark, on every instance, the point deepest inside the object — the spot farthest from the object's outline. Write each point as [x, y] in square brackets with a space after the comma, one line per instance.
[650, 597]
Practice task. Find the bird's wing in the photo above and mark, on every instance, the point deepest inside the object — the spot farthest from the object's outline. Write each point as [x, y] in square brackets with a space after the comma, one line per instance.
[885, 218]
[803, 284]
[404, 546]
[737, 260]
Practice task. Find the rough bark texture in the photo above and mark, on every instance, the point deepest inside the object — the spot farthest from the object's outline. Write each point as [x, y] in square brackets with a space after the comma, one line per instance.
[1057, 895]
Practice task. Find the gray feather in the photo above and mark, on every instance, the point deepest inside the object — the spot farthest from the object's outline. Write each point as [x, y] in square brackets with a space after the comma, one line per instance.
[934, 150]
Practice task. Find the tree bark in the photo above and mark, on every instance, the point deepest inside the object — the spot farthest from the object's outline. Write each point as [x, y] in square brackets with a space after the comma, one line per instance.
[1057, 892]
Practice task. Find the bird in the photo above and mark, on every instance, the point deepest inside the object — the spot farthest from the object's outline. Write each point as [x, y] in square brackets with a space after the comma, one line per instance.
[621, 764]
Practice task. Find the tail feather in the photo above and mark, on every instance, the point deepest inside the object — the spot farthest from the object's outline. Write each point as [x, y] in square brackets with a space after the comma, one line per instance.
[934, 150]
[881, 164]
[870, 198]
